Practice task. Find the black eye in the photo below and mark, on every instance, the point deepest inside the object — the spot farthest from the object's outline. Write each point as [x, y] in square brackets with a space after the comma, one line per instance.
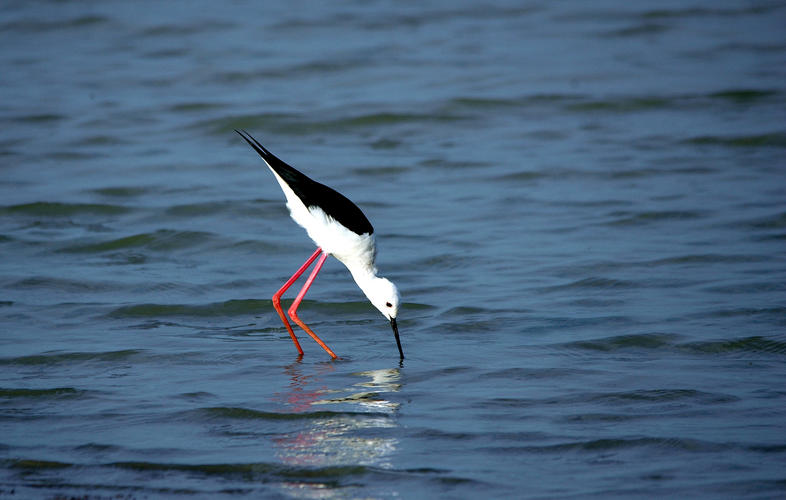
[388, 304]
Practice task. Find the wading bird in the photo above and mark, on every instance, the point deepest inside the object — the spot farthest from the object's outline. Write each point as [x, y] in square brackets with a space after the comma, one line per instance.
[339, 228]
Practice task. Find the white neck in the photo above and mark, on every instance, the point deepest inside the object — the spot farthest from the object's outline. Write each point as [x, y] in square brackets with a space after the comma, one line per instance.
[364, 277]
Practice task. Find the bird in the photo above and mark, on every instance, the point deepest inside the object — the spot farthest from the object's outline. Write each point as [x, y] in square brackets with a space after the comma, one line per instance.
[337, 227]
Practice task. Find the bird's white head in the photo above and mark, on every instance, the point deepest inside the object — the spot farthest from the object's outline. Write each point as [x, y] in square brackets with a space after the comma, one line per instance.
[384, 295]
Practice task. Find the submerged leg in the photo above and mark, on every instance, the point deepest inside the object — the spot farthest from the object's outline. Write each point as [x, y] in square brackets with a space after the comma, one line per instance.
[299, 298]
[280, 292]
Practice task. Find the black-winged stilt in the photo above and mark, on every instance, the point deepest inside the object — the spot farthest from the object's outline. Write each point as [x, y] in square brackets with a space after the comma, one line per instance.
[339, 228]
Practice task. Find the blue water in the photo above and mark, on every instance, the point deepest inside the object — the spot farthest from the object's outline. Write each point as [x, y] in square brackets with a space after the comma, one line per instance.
[583, 205]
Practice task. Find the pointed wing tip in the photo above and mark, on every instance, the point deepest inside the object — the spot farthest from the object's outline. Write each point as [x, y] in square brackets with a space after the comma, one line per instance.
[252, 142]
[266, 155]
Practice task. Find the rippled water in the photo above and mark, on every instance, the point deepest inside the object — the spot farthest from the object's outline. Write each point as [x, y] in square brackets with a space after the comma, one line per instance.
[582, 204]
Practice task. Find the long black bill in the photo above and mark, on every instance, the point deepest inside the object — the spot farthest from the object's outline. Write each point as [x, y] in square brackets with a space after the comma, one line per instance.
[395, 332]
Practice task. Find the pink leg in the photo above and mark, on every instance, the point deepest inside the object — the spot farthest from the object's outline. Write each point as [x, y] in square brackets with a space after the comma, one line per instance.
[293, 308]
[280, 292]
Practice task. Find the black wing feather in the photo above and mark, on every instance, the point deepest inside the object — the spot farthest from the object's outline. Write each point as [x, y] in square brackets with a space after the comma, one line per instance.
[314, 194]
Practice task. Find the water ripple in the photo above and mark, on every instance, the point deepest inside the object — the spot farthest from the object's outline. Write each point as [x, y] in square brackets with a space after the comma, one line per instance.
[161, 240]
[6, 392]
[57, 209]
[774, 139]
[301, 125]
[245, 413]
[71, 357]
[624, 342]
[754, 344]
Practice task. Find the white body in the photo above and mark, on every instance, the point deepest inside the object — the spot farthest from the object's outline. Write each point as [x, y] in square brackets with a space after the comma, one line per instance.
[357, 252]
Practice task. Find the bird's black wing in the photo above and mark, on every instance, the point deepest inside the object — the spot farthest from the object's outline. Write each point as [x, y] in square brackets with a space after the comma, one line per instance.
[314, 194]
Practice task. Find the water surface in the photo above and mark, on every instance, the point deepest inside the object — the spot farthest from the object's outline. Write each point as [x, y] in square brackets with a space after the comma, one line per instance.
[583, 206]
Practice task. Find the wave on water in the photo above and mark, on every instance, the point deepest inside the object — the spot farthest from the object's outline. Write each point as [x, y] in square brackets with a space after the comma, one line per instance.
[744, 345]
[643, 397]
[625, 342]
[161, 240]
[15, 393]
[241, 477]
[630, 218]
[308, 124]
[648, 444]
[245, 413]
[40, 25]
[615, 103]
[123, 191]
[774, 139]
[594, 283]
[59, 209]
[232, 307]
[71, 357]
[679, 344]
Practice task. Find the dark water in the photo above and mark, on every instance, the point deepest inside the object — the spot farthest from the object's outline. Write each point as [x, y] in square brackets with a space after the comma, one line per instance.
[584, 205]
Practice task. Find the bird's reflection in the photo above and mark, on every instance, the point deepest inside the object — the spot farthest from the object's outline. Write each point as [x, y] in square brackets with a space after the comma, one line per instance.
[338, 424]
[303, 389]
[379, 381]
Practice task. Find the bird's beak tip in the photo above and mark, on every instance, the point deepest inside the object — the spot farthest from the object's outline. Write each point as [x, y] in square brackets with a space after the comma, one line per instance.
[398, 340]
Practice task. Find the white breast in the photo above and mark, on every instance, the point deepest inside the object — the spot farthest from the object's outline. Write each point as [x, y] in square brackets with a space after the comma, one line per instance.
[355, 251]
